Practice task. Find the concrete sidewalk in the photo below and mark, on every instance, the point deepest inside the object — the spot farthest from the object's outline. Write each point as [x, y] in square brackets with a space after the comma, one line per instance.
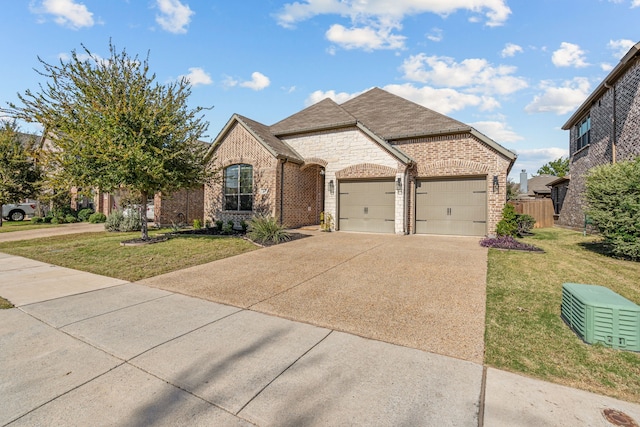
[108, 352]
[76, 228]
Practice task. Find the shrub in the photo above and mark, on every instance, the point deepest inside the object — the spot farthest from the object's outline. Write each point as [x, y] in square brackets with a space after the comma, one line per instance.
[244, 225]
[507, 242]
[613, 199]
[37, 219]
[265, 229]
[197, 224]
[508, 225]
[131, 222]
[97, 217]
[47, 219]
[70, 219]
[227, 228]
[57, 220]
[525, 224]
[113, 221]
[84, 214]
[219, 224]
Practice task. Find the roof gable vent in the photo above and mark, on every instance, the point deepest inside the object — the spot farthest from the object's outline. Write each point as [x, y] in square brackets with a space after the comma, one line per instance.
[599, 315]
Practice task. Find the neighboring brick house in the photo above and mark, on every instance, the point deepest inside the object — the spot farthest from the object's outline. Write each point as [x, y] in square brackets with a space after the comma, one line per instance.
[181, 207]
[604, 129]
[376, 163]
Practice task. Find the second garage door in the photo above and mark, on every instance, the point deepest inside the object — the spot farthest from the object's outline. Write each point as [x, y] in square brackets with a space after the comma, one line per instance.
[367, 206]
[452, 206]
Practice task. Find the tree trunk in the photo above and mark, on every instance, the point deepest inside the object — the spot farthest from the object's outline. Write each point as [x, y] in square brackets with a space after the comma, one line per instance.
[143, 215]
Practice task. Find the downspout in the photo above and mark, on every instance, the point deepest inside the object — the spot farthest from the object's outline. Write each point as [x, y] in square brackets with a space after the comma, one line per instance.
[614, 123]
[407, 192]
[282, 162]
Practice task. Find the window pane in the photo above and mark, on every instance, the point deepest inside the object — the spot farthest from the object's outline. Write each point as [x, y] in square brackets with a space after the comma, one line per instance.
[246, 179]
[246, 203]
[231, 180]
[231, 203]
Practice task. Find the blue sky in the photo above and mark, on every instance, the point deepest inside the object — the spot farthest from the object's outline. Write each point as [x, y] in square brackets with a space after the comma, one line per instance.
[515, 70]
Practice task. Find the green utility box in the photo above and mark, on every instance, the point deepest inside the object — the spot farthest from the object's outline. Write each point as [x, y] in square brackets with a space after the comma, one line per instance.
[597, 314]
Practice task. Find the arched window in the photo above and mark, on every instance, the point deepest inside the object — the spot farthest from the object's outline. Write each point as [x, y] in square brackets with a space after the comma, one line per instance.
[238, 188]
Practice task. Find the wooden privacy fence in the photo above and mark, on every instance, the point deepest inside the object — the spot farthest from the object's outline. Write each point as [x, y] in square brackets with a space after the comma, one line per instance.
[540, 209]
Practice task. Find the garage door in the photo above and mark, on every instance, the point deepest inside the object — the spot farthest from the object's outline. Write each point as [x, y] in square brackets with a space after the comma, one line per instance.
[367, 206]
[452, 206]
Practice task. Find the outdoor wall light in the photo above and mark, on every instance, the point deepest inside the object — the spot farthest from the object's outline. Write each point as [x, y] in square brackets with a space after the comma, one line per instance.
[399, 184]
[496, 184]
[331, 187]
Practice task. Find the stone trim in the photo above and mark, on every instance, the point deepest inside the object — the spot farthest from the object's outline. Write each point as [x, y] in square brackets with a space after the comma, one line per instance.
[366, 170]
[452, 167]
[313, 161]
[236, 161]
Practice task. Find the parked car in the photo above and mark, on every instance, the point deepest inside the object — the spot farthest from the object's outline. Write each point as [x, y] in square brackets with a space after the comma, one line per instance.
[17, 212]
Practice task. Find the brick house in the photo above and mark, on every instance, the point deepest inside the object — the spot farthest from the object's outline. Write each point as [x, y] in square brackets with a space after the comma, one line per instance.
[376, 163]
[604, 129]
[181, 207]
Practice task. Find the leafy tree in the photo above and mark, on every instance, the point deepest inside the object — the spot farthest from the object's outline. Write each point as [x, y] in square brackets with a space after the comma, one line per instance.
[613, 198]
[20, 174]
[512, 190]
[112, 126]
[558, 167]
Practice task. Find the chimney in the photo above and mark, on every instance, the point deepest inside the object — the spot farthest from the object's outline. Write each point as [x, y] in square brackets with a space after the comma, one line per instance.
[523, 182]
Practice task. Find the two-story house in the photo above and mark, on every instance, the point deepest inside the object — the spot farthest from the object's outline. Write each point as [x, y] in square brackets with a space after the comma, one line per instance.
[604, 129]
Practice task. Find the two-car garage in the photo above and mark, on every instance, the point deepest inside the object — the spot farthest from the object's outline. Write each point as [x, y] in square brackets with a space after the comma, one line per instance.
[456, 206]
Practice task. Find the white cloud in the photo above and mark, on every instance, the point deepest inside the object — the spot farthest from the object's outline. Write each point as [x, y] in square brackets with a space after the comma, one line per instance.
[229, 82]
[510, 49]
[606, 67]
[67, 13]
[174, 16]
[560, 99]
[197, 76]
[620, 47]
[496, 12]
[569, 55]
[635, 3]
[532, 159]
[498, 131]
[338, 97]
[476, 75]
[366, 38]
[258, 81]
[436, 35]
[444, 100]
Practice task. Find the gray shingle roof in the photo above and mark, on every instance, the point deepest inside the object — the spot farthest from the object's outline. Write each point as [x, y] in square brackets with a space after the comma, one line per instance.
[393, 117]
[322, 115]
[385, 116]
[276, 146]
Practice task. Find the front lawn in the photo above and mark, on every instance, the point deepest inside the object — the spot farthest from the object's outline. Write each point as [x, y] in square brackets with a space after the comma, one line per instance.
[524, 331]
[101, 253]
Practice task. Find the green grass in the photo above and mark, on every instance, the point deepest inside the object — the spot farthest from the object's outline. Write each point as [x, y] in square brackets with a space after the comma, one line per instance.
[9, 226]
[4, 304]
[101, 253]
[524, 331]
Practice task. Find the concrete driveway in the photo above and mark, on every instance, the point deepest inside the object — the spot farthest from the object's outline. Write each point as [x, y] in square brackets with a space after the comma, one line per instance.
[424, 292]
